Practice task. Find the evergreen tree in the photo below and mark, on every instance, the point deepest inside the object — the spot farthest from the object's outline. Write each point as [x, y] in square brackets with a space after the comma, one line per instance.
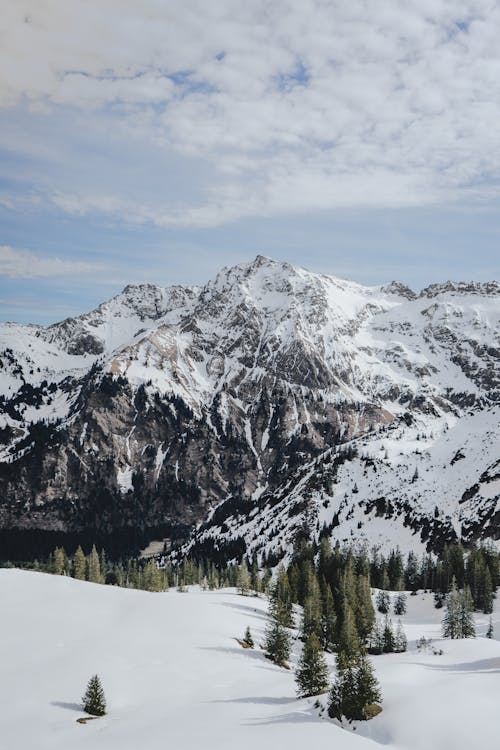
[364, 613]
[244, 581]
[458, 621]
[281, 599]
[329, 621]
[343, 688]
[152, 579]
[59, 562]
[94, 567]
[349, 639]
[312, 671]
[79, 564]
[400, 604]
[400, 640]
[388, 636]
[376, 639]
[489, 632]
[94, 702]
[312, 617]
[368, 692]
[248, 640]
[383, 602]
[277, 641]
[355, 692]
[467, 627]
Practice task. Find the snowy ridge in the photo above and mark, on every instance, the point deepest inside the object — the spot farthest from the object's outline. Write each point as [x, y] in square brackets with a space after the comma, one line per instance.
[230, 391]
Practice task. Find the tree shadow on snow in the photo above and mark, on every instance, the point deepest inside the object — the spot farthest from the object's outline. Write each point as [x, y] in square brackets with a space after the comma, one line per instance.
[294, 717]
[245, 608]
[69, 706]
[483, 665]
[259, 700]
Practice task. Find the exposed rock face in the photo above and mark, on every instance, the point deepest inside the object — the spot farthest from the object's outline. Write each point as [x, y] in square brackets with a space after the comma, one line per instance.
[270, 390]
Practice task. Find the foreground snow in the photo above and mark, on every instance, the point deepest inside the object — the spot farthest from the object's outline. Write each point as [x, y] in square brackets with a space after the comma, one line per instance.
[173, 674]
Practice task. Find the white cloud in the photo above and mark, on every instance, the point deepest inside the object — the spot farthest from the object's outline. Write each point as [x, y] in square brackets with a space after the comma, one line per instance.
[22, 264]
[308, 106]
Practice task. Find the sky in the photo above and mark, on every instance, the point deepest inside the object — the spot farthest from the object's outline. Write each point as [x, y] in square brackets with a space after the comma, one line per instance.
[159, 140]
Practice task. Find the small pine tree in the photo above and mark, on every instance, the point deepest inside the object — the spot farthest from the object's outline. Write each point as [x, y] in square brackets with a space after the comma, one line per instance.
[400, 640]
[388, 637]
[248, 640]
[383, 602]
[489, 632]
[376, 639]
[458, 621]
[312, 671]
[467, 627]
[94, 702]
[400, 604]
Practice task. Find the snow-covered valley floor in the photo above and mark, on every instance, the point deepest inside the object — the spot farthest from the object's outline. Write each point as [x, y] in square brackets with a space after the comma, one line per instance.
[175, 677]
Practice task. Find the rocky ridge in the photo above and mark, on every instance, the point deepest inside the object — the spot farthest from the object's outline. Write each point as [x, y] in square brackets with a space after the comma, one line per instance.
[270, 402]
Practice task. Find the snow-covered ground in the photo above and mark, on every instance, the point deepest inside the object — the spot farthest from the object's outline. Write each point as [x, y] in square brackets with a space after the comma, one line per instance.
[175, 677]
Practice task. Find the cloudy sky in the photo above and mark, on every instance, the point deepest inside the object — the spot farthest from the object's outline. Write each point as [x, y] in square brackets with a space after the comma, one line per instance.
[162, 139]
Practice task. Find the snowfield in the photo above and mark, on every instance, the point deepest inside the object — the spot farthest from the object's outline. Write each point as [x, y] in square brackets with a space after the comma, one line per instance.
[175, 677]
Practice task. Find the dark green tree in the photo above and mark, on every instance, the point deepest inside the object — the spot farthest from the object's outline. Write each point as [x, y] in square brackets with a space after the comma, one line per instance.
[400, 604]
[312, 671]
[277, 641]
[248, 640]
[383, 602]
[94, 702]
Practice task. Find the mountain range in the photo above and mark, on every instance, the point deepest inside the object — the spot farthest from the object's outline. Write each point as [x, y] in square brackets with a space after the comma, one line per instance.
[272, 402]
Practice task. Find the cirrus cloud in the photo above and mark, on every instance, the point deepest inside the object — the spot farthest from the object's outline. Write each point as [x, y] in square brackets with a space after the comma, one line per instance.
[23, 264]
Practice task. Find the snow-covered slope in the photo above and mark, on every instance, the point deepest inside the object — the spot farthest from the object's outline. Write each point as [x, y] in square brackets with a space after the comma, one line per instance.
[164, 403]
[174, 676]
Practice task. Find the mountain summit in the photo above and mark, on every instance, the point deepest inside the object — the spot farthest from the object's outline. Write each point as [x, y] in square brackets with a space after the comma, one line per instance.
[269, 401]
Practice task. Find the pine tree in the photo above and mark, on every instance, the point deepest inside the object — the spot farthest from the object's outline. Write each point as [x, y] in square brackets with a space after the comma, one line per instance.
[59, 562]
[94, 702]
[248, 640]
[312, 671]
[343, 688]
[388, 636]
[329, 621]
[368, 693]
[458, 621]
[312, 617]
[400, 640]
[94, 567]
[79, 564]
[400, 604]
[349, 640]
[244, 581]
[467, 627]
[364, 613]
[376, 639]
[152, 579]
[383, 602]
[489, 632]
[277, 641]
[355, 692]
[281, 599]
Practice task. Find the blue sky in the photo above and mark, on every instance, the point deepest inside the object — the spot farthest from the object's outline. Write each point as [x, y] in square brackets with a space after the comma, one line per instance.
[153, 142]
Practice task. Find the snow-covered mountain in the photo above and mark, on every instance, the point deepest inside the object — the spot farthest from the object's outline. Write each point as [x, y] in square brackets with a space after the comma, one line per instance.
[270, 401]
